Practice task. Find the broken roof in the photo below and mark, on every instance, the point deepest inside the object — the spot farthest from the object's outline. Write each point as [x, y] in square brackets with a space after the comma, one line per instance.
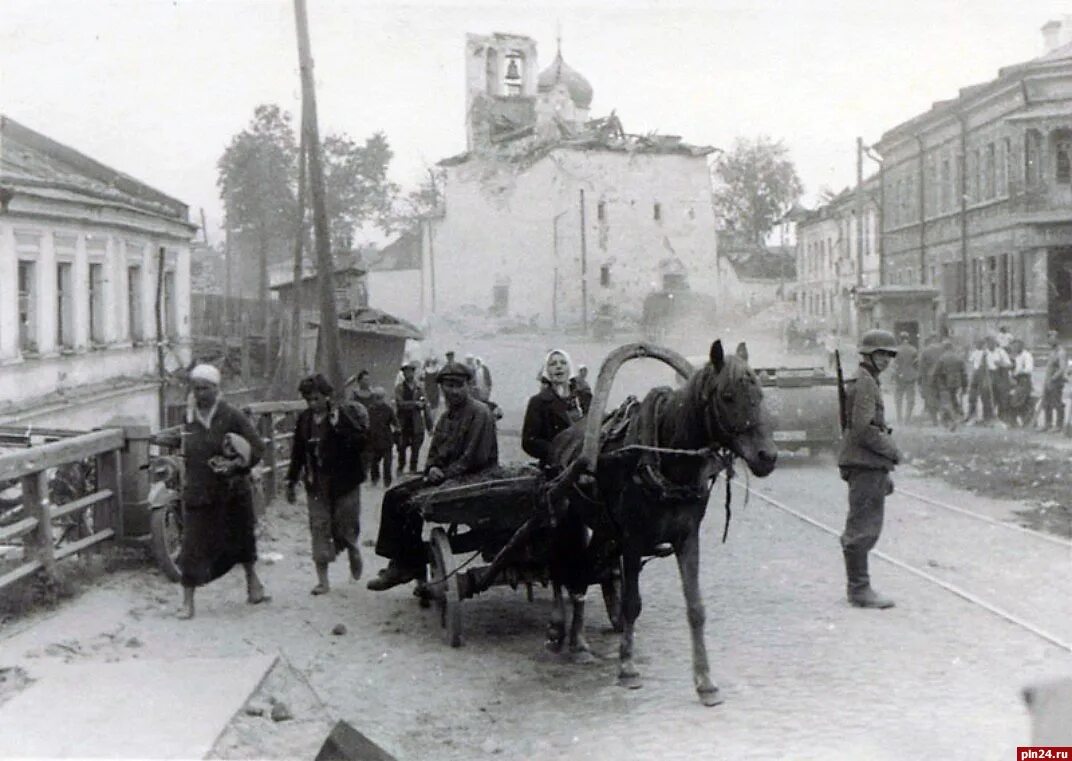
[377, 322]
[289, 282]
[604, 134]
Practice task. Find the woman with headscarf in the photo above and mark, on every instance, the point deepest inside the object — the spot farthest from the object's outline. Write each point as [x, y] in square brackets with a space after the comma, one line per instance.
[220, 446]
[326, 455]
[552, 410]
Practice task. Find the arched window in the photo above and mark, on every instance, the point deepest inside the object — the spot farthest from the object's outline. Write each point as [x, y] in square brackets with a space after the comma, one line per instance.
[514, 76]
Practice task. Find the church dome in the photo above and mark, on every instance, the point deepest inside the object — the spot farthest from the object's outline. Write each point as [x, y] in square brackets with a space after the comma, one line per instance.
[559, 71]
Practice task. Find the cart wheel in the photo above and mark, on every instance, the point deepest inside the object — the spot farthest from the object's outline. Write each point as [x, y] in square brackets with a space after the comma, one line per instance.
[445, 585]
[612, 598]
[165, 526]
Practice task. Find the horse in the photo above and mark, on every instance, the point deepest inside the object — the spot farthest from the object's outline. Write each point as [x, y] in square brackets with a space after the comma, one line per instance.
[648, 495]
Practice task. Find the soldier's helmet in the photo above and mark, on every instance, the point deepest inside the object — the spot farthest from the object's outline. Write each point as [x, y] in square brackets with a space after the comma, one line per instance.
[454, 370]
[878, 340]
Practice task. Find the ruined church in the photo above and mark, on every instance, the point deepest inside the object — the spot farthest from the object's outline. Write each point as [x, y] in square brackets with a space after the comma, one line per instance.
[552, 216]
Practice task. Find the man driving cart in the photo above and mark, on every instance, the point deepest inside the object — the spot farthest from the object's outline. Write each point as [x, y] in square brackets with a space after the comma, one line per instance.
[463, 442]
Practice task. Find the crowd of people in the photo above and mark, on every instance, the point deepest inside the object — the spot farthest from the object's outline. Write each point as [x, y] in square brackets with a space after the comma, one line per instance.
[992, 381]
[342, 440]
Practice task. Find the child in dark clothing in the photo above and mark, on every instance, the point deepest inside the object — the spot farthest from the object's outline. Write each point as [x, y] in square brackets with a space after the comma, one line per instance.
[383, 429]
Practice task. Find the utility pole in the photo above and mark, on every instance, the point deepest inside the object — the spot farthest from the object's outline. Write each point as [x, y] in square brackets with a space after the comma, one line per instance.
[554, 284]
[299, 270]
[584, 271]
[329, 324]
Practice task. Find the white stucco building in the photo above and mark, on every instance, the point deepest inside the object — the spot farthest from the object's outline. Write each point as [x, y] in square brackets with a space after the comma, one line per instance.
[549, 216]
[80, 246]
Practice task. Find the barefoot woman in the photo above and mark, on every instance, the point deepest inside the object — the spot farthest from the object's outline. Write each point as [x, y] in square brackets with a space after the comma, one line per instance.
[218, 498]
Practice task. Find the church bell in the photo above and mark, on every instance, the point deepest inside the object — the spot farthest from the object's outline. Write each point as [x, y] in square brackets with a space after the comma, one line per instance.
[511, 70]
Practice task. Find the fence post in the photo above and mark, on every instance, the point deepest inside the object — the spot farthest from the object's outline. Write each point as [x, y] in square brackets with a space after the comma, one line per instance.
[265, 423]
[35, 503]
[110, 514]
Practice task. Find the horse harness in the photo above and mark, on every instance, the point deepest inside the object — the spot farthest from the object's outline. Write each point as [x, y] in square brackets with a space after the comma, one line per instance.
[636, 424]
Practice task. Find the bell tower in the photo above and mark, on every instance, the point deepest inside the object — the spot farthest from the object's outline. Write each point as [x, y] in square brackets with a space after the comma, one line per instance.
[500, 86]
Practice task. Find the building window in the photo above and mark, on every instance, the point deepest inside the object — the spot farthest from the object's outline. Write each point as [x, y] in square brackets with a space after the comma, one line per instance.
[1003, 168]
[990, 170]
[1021, 280]
[1064, 165]
[514, 76]
[944, 189]
[65, 305]
[96, 302]
[1032, 153]
[992, 282]
[604, 276]
[1003, 282]
[601, 211]
[134, 310]
[657, 211]
[27, 307]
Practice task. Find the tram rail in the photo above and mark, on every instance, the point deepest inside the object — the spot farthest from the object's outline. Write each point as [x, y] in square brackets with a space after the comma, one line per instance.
[985, 518]
[971, 597]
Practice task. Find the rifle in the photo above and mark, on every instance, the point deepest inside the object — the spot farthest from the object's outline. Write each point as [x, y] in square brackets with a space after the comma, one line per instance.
[841, 402]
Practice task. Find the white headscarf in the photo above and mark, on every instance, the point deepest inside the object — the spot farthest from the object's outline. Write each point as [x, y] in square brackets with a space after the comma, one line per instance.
[562, 389]
[207, 373]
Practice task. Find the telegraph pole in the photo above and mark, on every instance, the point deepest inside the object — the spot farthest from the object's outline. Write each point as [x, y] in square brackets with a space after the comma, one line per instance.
[329, 324]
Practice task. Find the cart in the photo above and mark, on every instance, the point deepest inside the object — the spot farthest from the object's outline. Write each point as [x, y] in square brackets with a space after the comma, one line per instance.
[501, 517]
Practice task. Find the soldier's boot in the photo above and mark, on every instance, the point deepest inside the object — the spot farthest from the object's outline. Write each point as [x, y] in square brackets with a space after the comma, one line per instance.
[859, 591]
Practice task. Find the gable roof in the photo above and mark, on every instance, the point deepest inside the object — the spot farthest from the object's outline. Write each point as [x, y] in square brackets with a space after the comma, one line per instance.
[403, 253]
[39, 165]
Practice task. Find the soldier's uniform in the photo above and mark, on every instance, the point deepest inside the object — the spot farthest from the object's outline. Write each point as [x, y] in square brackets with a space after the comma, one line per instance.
[867, 457]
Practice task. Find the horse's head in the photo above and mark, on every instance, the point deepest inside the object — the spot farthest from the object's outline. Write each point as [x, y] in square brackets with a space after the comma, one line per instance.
[734, 414]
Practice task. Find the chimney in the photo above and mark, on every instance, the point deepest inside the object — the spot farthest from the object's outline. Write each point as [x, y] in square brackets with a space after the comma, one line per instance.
[1051, 36]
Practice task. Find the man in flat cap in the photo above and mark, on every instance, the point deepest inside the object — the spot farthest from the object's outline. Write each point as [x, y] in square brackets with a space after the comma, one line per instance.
[463, 442]
[410, 405]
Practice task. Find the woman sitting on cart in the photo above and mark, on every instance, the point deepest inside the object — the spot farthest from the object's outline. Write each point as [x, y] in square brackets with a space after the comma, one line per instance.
[554, 409]
[463, 442]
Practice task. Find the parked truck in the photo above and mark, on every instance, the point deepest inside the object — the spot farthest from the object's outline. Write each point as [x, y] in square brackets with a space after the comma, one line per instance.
[803, 404]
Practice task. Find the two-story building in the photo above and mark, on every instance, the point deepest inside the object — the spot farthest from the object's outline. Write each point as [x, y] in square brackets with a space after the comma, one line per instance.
[836, 259]
[978, 201]
[89, 258]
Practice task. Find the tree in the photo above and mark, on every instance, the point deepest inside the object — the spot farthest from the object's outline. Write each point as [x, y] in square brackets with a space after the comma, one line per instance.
[256, 182]
[410, 209]
[756, 184]
[356, 188]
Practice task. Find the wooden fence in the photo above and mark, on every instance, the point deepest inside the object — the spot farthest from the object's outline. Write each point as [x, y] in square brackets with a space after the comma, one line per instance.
[30, 466]
[265, 417]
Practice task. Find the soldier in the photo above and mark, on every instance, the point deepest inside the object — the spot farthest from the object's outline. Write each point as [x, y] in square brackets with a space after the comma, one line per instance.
[1053, 384]
[410, 408]
[867, 457]
[905, 375]
[928, 358]
[949, 379]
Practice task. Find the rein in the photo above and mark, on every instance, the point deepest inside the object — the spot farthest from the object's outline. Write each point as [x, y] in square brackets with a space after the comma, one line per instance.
[650, 473]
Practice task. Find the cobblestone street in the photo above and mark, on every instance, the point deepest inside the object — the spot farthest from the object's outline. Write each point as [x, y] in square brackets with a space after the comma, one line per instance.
[804, 675]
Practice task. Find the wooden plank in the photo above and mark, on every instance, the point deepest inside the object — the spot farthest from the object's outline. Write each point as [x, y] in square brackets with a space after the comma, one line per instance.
[33, 430]
[265, 426]
[38, 545]
[81, 544]
[18, 528]
[58, 511]
[286, 405]
[35, 459]
[22, 571]
[109, 478]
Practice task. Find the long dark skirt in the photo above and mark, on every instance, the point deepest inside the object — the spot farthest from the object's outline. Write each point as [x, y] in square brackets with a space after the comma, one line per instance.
[218, 536]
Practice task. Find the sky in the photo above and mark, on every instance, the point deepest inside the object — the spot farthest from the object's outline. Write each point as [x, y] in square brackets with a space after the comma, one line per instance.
[156, 88]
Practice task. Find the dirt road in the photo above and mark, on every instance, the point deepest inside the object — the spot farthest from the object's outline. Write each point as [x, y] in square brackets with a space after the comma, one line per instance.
[804, 675]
